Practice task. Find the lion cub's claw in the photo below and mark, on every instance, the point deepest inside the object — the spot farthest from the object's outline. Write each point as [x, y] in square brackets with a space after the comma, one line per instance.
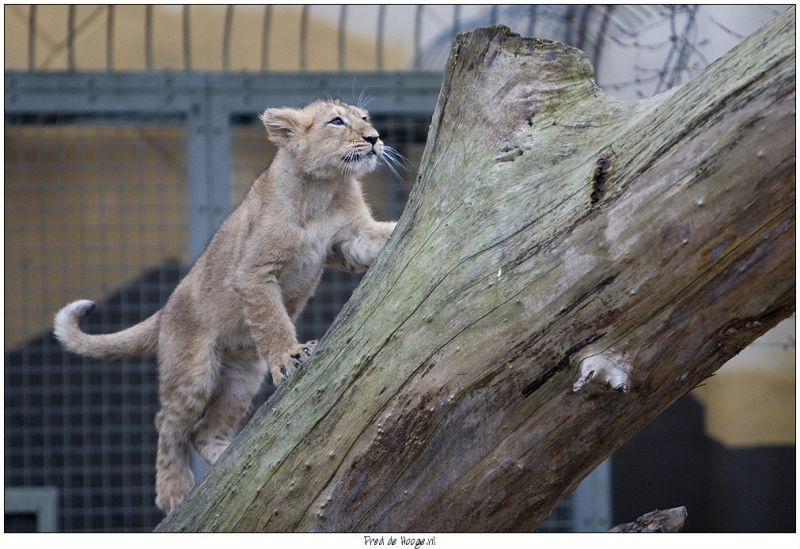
[306, 350]
[293, 360]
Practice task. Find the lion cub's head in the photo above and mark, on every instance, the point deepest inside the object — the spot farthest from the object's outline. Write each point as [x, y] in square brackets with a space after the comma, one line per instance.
[326, 138]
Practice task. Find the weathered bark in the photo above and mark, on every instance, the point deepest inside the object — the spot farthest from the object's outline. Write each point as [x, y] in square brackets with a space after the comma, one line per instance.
[553, 232]
[658, 521]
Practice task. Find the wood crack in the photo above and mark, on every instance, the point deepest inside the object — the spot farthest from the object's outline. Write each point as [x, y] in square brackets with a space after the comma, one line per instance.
[599, 178]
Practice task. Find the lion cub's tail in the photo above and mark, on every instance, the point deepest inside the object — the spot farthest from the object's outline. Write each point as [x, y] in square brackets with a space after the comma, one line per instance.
[136, 340]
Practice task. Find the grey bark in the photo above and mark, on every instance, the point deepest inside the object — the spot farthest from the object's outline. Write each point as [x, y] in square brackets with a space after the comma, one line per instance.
[558, 245]
[658, 521]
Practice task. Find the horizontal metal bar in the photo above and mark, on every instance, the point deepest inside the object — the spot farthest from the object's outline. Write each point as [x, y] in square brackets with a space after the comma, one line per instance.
[52, 92]
[57, 81]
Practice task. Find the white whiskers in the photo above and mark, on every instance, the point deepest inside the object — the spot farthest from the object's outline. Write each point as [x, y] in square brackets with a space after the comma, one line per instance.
[395, 161]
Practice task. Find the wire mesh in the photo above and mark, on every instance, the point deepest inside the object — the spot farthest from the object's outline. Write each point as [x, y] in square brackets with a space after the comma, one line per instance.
[560, 519]
[95, 207]
[636, 50]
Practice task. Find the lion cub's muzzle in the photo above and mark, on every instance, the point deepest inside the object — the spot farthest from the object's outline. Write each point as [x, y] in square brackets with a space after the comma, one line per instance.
[364, 153]
[377, 149]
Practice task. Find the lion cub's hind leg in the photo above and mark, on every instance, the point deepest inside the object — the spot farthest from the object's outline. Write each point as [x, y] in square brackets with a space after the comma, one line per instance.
[241, 375]
[187, 379]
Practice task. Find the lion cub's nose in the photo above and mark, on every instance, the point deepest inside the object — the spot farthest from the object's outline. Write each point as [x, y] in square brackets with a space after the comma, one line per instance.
[372, 138]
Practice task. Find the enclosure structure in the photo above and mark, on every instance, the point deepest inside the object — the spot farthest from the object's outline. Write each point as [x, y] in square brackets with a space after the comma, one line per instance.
[115, 181]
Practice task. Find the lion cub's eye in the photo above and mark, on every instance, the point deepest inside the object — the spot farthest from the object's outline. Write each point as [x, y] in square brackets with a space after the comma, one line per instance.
[337, 122]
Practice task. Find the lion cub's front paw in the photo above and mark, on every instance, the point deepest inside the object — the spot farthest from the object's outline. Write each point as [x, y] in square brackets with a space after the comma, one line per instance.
[291, 360]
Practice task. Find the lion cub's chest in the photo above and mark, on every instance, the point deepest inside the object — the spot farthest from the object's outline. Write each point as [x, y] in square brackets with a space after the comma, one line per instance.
[301, 273]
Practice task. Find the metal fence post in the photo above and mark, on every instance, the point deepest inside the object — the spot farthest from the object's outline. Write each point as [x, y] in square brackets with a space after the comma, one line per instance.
[592, 501]
[208, 155]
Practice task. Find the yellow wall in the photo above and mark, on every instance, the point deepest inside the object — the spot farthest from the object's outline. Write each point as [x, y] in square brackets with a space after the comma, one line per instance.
[84, 229]
[751, 400]
[207, 29]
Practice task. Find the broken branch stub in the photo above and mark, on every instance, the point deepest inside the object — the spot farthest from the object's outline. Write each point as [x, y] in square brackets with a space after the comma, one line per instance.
[658, 521]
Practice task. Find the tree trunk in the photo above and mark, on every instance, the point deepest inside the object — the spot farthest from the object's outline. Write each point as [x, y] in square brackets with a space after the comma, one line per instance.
[566, 267]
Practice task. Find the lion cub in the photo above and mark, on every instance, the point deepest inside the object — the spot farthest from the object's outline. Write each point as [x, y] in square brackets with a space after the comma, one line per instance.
[232, 316]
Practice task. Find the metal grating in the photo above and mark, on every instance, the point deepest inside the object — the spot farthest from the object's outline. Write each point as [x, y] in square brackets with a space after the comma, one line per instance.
[95, 207]
[561, 519]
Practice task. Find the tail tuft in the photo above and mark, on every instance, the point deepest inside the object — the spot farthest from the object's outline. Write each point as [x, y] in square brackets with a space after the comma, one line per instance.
[136, 340]
[67, 319]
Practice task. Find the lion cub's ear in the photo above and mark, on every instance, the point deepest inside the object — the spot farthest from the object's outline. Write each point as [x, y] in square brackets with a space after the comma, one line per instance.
[281, 124]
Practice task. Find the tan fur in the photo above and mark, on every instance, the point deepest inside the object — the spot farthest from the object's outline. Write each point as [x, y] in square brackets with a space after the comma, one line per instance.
[231, 318]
